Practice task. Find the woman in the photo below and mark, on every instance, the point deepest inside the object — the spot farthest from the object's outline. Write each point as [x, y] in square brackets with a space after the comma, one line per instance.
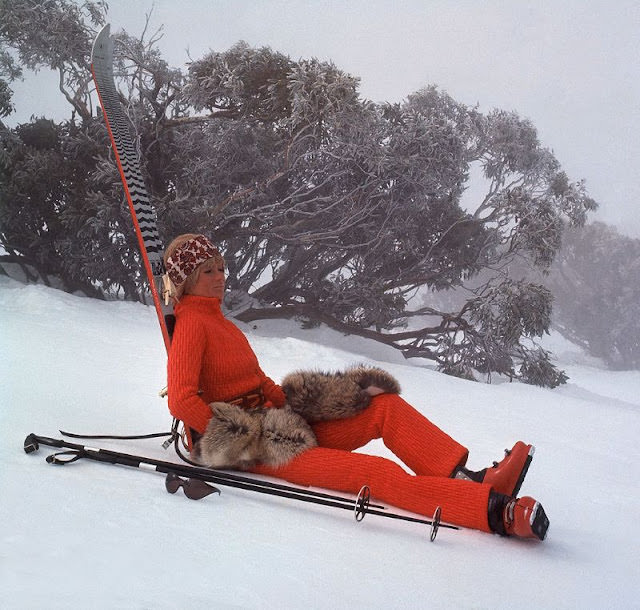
[238, 417]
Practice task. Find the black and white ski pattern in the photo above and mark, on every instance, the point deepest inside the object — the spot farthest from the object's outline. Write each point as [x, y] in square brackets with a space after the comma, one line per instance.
[122, 140]
[119, 126]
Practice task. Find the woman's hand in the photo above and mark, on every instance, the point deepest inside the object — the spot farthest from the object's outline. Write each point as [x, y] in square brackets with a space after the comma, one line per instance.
[273, 393]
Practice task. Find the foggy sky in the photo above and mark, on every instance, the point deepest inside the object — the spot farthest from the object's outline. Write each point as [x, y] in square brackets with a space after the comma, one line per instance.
[570, 66]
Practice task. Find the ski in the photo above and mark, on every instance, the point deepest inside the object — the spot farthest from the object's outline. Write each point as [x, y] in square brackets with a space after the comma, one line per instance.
[360, 506]
[119, 128]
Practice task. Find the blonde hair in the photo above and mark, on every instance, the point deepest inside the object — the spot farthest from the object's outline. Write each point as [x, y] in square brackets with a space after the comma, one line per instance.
[190, 282]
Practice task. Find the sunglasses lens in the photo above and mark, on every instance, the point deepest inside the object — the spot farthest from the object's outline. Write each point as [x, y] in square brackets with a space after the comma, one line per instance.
[195, 489]
[172, 482]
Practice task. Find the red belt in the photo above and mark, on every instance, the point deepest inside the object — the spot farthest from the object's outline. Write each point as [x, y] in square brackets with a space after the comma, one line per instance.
[249, 401]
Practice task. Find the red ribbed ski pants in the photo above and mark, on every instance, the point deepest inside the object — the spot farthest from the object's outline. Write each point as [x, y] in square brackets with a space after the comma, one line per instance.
[430, 453]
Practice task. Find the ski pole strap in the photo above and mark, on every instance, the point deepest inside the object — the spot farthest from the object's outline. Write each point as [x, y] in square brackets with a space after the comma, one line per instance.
[65, 457]
[118, 437]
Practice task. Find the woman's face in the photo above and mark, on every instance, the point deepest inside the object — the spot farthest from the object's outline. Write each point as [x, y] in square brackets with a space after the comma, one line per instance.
[210, 282]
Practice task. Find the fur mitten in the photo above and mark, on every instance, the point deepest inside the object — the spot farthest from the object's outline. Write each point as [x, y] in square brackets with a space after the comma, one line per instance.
[325, 396]
[231, 440]
[238, 438]
[284, 435]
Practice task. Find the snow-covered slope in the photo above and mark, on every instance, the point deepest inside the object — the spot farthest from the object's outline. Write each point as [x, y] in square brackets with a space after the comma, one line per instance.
[96, 536]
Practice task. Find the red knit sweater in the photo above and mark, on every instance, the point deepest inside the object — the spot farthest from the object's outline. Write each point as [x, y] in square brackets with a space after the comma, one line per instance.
[211, 360]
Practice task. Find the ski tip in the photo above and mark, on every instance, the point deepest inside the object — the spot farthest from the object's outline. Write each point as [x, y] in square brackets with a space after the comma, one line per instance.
[103, 45]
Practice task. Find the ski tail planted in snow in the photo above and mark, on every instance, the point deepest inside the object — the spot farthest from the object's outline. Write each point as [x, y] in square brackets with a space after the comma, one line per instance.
[120, 132]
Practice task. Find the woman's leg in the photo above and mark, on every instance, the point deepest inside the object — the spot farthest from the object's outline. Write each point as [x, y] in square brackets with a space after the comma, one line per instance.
[463, 502]
[420, 444]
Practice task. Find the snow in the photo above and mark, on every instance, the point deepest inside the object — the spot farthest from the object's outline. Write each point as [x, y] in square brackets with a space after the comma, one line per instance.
[98, 536]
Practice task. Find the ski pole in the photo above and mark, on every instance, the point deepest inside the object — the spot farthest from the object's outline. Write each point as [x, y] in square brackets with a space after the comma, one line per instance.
[360, 506]
[221, 477]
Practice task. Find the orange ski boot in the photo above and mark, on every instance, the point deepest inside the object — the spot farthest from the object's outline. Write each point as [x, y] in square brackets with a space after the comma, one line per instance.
[522, 517]
[505, 477]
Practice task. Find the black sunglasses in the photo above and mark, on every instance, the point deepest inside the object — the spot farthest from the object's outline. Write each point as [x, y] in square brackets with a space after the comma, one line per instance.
[194, 489]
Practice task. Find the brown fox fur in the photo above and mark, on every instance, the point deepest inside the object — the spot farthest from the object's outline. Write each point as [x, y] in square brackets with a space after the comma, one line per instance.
[239, 438]
[319, 396]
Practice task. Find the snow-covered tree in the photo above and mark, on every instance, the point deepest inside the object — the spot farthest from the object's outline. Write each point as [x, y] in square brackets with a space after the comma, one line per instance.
[328, 207]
